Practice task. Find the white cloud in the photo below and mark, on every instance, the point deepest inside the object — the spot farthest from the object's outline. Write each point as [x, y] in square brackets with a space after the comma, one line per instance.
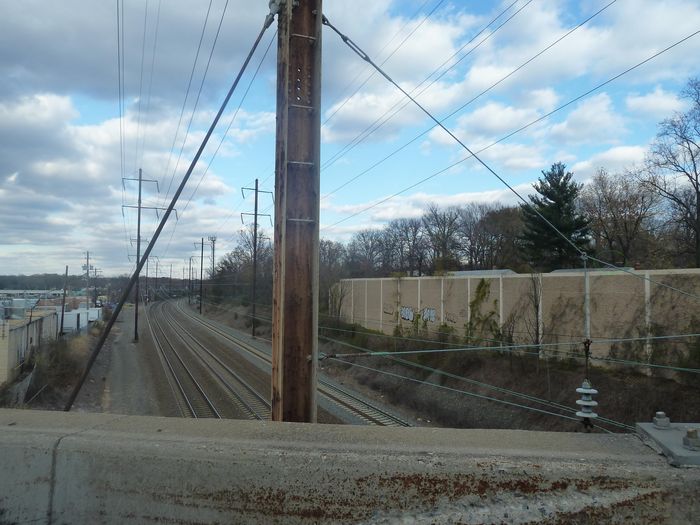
[593, 120]
[414, 205]
[60, 177]
[41, 109]
[657, 104]
[614, 159]
[494, 119]
[544, 99]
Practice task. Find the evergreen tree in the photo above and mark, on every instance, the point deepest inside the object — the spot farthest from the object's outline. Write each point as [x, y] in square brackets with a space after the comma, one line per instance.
[556, 201]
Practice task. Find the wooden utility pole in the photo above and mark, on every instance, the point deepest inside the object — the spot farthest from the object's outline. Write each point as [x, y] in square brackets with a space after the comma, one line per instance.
[295, 289]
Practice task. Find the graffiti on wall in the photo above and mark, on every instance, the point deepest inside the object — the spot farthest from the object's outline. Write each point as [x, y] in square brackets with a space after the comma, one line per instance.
[428, 314]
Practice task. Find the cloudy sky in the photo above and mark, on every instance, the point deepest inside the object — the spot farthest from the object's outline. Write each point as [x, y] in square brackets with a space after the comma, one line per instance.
[487, 68]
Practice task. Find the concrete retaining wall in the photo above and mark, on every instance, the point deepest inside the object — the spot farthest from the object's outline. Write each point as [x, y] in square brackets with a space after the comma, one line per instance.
[98, 468]
[521, 305]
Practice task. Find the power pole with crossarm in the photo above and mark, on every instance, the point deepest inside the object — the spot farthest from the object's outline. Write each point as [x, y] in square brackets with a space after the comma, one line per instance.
[140, 180]
[255, 248]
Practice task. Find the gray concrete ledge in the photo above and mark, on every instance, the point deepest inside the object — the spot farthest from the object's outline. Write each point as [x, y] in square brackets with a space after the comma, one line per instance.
[98, 468]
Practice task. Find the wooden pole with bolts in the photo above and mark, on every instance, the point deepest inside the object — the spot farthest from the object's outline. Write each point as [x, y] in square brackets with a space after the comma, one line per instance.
[295, 287]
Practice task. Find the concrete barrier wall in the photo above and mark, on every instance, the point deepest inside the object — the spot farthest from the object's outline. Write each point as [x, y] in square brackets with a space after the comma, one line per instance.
[648, 303]
[99, 468]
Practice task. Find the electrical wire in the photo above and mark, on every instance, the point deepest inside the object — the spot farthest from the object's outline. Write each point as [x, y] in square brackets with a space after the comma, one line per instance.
[228, 128]
[522, 348]
[525, 202]
[396, 49]
[494, 346]
[143, 57]
[121, 90]
[187, 94]
[120, 77]
[225, 134]
[481, 384]
[199, 94]
[475, 98]
[115, 314]
[346, 99]
[150, 81]
[401, 104]
[458, 391]
[359, 73]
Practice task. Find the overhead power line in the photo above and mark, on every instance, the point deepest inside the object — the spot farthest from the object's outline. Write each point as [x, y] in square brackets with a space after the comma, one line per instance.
[223, 138]
[473, 99]
[463, 392]
[120, 77]
[357, 50]
[439, 123]
[154, 238]
[199, 92]
[143, 57]
[150, 77]
[417, 91]
[346, 99]
[184, 102]
[481, 384]
[396, 49]
[386, 44]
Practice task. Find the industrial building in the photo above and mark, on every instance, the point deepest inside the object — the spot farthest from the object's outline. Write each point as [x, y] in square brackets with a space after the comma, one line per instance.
[28, 318]
[20, 337]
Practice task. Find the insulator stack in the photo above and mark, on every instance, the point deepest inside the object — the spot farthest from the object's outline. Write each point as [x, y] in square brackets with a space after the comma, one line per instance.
[586, 403]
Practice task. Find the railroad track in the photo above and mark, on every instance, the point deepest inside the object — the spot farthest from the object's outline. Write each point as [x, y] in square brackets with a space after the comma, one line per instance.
[190, 397]
[347, 400]
[235, 390]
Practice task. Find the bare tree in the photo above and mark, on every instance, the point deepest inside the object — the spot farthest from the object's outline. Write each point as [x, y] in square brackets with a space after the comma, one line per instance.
[488, 236]
[336, 298]
[234, 272]
[441, 227]
[674, 168]
[332, 267]
[364, 253]
[410, 245]
[472, 236]
[621, 211]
